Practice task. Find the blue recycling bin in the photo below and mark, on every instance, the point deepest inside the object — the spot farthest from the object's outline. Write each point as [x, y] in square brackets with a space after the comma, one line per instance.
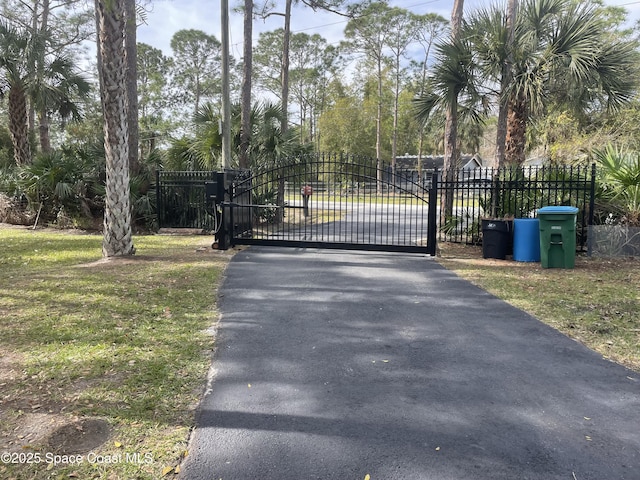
[526, 240]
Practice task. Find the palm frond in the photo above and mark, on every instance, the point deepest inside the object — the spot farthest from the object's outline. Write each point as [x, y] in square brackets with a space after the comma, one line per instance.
[425, 106]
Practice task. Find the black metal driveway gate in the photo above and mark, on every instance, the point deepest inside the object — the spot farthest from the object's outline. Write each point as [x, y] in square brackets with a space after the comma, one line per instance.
[332, 201]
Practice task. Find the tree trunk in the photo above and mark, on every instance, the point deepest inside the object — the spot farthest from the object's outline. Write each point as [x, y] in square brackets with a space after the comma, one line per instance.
[196, 106]
[451, 125]
[423, 85]
[516, 138]
[117, 235]
[284, 126]
[394, 139]
[35, 31]
[379, 130]
[456, 18]
[501, 127]
[132, 84]
[45, 139]
[420, 148]
[450, 158]
[285, 66]
[501, 133]
[245, 115]
[99, 56]
[18, 126]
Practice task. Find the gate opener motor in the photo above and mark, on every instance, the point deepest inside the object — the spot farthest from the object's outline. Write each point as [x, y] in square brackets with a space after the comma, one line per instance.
[213, 205]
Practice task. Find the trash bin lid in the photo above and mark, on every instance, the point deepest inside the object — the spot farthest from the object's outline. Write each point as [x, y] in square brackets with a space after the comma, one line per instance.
[558, 209]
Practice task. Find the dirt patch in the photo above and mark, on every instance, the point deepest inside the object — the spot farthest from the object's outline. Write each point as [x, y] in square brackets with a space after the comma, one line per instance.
[32, 424]
[29, 430]
[136, 259]
[79, 437]
[118, 261]
[10, 364]
[30, 418]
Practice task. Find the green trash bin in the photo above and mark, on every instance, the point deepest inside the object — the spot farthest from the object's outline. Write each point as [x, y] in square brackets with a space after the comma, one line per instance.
[558, 236]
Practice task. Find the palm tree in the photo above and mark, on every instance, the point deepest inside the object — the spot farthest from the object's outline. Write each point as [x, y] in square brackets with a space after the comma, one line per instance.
[268, 145]
[132, 85]
[247, 67]
[52, 88]
[431, 27]
[55, 94]
[111, 21]
[456, 83]
[17, 54]
[560, 51]
[453, 92]
[268, 149]
[451, 126]
[491, 31]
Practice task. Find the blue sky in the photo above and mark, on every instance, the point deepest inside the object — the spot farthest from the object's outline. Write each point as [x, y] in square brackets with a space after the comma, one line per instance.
[169, 16]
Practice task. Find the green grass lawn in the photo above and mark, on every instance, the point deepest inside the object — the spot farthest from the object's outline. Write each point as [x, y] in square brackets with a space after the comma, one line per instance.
[124, 341]
[596, 303]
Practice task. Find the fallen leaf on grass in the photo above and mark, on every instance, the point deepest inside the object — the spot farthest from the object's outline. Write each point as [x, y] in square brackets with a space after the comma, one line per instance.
[167, 471]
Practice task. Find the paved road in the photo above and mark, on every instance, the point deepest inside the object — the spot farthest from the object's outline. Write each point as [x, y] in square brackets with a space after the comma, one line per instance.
[362, 223]
[333, 365]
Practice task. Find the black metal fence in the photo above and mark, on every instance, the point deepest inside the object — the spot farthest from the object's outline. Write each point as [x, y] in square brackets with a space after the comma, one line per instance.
[475, 194]
[181, 200]
[516, 192]
[332, 201]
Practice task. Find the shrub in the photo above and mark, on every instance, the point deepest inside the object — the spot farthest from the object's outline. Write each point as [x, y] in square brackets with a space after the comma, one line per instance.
[618, 196]
[13, 211]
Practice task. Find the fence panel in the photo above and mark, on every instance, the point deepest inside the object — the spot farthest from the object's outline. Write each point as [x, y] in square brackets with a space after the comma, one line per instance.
[476, 194]
[181, 200]
[516, 192]
[332, 201]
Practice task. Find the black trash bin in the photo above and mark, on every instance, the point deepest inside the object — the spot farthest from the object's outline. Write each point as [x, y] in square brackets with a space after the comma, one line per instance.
[497, 239]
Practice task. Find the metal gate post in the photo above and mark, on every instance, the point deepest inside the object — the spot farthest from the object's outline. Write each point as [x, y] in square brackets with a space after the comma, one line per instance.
[432, 217]
[223, 235]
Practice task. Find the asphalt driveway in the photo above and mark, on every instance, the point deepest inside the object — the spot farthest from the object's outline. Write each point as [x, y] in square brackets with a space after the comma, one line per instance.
[335, 365]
